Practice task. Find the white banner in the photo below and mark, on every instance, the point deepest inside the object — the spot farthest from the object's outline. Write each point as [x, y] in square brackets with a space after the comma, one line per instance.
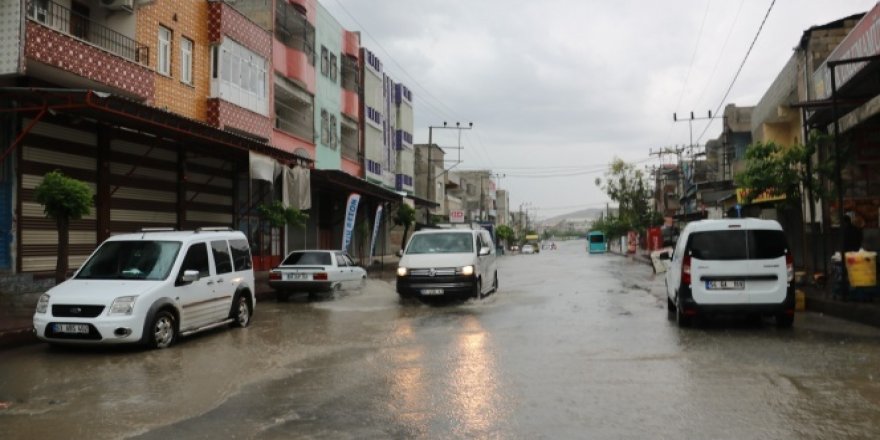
[351, 209]
[376, 223]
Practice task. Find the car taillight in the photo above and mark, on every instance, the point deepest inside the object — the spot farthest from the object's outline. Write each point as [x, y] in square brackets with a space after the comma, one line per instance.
[789, 266]
[320, 276]
[686, 270]
[274, 276]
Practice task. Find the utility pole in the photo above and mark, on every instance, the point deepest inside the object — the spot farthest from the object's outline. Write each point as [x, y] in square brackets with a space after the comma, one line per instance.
[429, 184]
[691, 144]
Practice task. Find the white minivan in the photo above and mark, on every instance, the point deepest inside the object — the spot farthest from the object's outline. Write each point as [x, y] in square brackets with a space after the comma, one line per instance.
[448, 263]
[731, 266]
[151, 287]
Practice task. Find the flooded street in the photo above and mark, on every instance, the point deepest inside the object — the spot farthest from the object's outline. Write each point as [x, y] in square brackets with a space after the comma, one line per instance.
[572, 346]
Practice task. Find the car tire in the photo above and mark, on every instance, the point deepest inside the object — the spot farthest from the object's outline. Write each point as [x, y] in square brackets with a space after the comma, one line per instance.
[241, 311]
[784, 320]
[495, 283]
[282, 296]
[163, 330]
[478, 289]
[680, 319]
[670, 308]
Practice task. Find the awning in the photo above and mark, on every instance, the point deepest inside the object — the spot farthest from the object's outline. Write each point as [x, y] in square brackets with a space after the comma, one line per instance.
[124, 112]
[425, 203]
[340, 179]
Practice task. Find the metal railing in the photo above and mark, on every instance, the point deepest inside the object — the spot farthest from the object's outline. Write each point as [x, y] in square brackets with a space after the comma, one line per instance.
[294, 30]
[298, 122]
[55, 16]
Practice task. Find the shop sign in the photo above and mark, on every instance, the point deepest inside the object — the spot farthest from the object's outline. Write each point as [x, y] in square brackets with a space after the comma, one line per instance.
[765, 196]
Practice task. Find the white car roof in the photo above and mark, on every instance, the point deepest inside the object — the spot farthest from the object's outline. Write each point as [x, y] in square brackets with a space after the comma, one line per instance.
[182, 236]
[445, 231]
[724, 224]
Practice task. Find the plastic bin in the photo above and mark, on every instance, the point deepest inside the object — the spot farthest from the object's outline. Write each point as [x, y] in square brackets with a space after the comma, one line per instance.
[861, 268]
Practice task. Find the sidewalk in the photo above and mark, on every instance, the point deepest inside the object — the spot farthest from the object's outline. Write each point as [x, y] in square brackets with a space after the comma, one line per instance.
[17, 307]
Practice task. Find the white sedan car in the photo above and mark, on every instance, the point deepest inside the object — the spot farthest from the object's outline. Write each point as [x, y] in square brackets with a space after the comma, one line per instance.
[314, 272]
[528, 249]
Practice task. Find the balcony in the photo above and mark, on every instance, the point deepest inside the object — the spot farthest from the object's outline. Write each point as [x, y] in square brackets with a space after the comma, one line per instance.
[294, 57]
[66, 48]
[65, 21]
[294, 111]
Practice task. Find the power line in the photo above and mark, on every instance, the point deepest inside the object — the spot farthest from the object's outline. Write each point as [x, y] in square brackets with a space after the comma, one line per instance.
[741, 65]
[693, 55]
[722, 51]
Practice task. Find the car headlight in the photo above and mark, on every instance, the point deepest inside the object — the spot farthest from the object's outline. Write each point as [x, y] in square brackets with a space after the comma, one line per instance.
[123, 305]
[401, 271]
[43, 303]
[467, 270]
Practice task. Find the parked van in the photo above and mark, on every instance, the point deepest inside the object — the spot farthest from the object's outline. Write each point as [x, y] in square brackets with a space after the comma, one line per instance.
[596, 243]
[448, 263]
[150, 288]
[731, 265]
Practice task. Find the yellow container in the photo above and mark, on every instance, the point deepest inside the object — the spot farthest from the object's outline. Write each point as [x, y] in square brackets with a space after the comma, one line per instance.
[861, 267]
[800, 300]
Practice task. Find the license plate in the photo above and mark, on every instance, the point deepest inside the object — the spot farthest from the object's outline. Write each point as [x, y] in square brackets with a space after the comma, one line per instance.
[72, 328]
[726, 285]
[432, 291]
[296, 276]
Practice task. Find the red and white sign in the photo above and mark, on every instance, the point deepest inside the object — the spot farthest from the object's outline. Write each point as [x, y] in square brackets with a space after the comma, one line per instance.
[456, 216]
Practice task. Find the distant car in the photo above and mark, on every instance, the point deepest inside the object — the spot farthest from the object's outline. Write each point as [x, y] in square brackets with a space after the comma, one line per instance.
[528, 249]
[316, 271]
[514, 248]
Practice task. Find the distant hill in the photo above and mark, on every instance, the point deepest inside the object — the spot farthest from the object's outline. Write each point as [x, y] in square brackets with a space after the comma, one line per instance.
[575, 217]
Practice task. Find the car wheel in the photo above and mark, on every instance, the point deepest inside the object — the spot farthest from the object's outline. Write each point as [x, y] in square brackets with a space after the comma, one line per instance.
[478, 289]
[241, 311]
[495, 283]
[163, 330]
[784, 320]
[670, 308]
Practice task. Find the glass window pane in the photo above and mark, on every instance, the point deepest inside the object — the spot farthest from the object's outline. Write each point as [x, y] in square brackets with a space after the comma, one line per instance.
[718, 245]
[196, 259]
[222, 259]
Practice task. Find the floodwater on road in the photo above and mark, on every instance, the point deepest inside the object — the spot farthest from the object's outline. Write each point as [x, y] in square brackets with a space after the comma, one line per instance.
[572, 346]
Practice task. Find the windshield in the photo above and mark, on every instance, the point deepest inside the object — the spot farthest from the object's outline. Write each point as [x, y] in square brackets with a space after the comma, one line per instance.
[131, 260]
[597, 239]
[441, 243]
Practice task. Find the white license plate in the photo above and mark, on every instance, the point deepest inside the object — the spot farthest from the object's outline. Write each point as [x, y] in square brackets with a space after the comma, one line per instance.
[432, 291]
[72, 328]
[726, 285]
[297, 276]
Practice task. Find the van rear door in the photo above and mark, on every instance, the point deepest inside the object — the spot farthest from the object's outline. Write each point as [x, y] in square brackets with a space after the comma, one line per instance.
[719, 266]
[768, 280]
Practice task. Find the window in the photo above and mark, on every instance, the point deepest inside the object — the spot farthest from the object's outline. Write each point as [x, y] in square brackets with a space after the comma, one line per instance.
[333, 137]
[163, 62]
[325, 127]
[242, 76]
[333, 67]
[131, 260]
[340, 260]
[196, 259]
[307, 258]
[186, 60]
[325, 61]
[222, 260]
[241, 254]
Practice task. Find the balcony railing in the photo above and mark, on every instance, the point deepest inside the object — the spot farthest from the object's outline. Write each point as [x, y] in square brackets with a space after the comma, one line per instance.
[64, 20]
[294, 30]
[299, 122]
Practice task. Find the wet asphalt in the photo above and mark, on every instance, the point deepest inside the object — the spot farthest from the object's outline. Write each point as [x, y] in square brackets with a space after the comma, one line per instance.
[572, 346]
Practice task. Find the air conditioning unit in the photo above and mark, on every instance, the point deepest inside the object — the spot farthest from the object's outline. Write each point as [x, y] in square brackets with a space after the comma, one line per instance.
[118, 5]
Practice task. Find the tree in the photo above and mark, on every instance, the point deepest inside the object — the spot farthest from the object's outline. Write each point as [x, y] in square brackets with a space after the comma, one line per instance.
[629, 187]
[504, 233]
[405, 217]
[278, 216]
[63, 199]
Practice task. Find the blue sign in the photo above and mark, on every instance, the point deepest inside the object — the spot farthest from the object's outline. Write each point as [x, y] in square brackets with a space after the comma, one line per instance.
[351, 209]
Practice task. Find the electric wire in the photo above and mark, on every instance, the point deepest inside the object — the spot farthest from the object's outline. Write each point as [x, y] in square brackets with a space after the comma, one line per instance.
[721, 52]
[738, 71]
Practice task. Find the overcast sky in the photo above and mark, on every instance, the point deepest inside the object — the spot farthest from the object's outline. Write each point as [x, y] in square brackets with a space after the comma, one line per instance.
[557, 88]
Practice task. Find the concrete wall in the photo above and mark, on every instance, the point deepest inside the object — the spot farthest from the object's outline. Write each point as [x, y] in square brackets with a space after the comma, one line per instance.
[328, 33]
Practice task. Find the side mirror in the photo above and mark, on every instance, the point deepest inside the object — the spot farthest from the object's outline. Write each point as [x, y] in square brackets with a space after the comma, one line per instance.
[485, 250]
[190, 276]
[664, 256]
[400, 253]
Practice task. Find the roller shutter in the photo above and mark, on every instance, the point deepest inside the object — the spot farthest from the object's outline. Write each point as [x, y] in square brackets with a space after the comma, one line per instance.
[209, 189]
[72, 151]
[143, 183]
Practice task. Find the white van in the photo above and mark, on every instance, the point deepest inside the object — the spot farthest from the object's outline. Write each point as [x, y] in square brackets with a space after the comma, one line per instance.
[448, 262]
[151, 287]
[731, 265]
